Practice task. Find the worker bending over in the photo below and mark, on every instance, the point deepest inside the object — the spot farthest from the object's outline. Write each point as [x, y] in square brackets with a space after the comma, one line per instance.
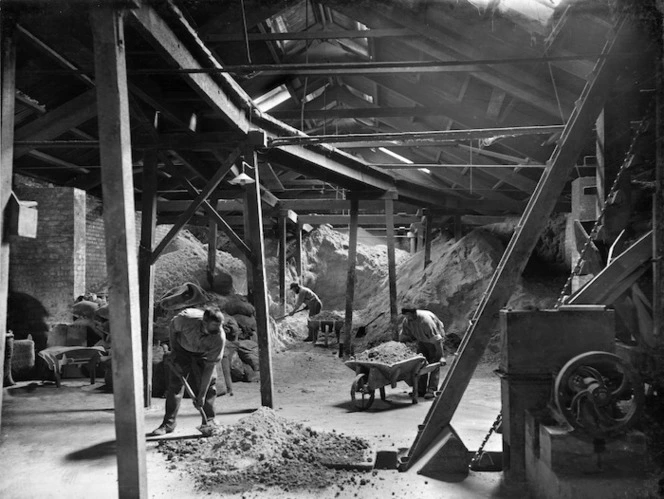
[428, 331]
[197, 341]
[310, 300]
[307, 297]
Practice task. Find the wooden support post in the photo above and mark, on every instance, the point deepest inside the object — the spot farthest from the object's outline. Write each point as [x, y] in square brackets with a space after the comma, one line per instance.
[145, 269]
[428, 227]
[282, 261]
[7, 99]
[520, 247]
[658, 210]
[391, 262]
[248, 262]
[254, 219]
[611, 144]
[298, 251]
[419, 231]
[212, 247]
[458, 228]
[350, 281]
[121, 260]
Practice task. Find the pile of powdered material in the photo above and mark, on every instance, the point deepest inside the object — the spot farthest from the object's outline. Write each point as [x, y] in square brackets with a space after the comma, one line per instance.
[265, 449]
[327, 315]
[389, 352]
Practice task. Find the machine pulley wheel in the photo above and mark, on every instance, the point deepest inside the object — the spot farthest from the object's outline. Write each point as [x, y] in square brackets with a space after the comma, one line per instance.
[599, 394]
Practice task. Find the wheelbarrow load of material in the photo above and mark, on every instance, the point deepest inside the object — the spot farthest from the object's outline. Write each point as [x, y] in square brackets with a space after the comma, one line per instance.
[326, 323]
[385, 365]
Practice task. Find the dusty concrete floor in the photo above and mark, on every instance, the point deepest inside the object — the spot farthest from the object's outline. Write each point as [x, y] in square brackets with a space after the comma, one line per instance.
[60, 442]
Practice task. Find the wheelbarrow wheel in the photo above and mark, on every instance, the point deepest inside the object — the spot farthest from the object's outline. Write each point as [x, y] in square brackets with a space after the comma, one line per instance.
[360, 393]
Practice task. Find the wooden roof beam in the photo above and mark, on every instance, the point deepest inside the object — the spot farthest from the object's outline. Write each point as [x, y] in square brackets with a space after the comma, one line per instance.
[277, 59]
[321, 34]
[455, 110]
[484, 189]
[257, 11]
[144, 87]
[506, 173]
[350, 65]
[238, 220]
[322, 205]
[565, 60]
[155, 30]
[195, 204]
[55, 55]
[403, 138]
[327, 163]
[56, 163]
[361, 112]
[269, 177]
[444, 47]
[58, 121]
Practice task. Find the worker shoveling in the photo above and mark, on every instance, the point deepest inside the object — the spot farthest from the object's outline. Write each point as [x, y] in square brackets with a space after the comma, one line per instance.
[205, 428]
[197, 340]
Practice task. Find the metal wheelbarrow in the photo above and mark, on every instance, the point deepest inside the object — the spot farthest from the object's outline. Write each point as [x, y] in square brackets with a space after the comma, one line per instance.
[371, 375]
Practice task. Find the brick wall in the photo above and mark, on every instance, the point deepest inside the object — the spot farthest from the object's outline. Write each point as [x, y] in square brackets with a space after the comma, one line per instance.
[68, 257]
[51, 268]
[95, 272]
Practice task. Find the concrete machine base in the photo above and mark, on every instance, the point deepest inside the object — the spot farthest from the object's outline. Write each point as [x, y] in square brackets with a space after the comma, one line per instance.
[560, 465]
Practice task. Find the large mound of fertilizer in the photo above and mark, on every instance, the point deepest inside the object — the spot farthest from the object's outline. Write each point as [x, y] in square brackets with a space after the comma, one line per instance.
[185, 260]
[452, 285]
[265, 449]
[326, 265]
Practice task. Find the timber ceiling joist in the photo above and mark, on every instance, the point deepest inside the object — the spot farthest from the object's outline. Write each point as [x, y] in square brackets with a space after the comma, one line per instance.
[472, 97]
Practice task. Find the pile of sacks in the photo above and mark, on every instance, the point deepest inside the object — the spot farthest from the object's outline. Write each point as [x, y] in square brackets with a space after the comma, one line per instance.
[240, 362]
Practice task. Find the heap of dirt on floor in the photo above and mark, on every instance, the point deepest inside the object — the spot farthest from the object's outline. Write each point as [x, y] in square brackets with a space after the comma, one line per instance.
[267, 450]
[388, 353]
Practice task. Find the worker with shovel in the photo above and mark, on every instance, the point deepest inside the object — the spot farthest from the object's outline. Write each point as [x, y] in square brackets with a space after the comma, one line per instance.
[428, 331]
[197, 341]
[309, 299]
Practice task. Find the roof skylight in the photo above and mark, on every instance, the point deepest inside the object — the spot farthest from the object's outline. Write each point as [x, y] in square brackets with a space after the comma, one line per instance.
[272, 98]
[537, 10]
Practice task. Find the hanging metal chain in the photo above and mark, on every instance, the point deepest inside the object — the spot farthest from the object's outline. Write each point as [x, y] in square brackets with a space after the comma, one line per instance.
[627, 162]
[496, 424]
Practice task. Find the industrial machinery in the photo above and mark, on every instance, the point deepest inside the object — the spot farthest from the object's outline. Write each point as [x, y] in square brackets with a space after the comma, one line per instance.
[599, 395]
[570, 405]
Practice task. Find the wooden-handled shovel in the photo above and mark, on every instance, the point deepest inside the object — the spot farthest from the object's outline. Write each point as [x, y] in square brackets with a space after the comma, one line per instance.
[205, 429]
[284, 316]
[362, 330]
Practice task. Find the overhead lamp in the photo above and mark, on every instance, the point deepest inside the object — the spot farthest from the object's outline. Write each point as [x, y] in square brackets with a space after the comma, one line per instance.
[242, 178]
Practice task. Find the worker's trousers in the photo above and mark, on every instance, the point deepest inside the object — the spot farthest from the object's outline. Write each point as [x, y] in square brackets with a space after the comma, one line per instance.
[314, 307]
[191, 366]
[429, 382]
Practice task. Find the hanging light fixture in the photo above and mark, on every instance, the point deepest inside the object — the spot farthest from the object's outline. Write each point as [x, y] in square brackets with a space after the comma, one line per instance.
[242, 178]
